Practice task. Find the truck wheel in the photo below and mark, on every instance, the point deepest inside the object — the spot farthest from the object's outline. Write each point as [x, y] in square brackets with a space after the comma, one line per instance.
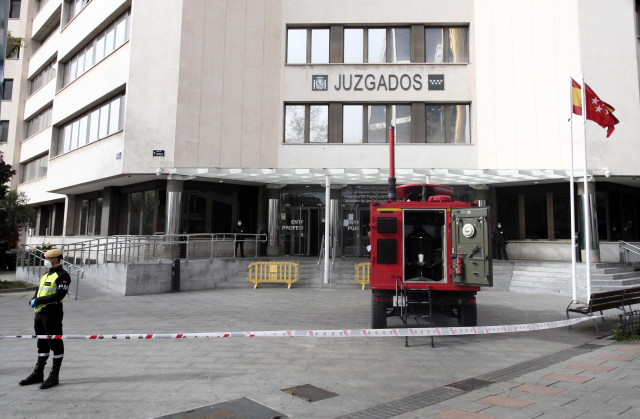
[378, 312]
[468, 315]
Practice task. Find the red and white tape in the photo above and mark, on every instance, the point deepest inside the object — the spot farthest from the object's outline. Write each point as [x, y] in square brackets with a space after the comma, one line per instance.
[346, 333]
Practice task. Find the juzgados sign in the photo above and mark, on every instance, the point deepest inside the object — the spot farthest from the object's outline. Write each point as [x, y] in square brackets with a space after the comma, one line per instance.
[383, 82]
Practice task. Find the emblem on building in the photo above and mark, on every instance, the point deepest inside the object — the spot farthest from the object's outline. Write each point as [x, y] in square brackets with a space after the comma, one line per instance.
[436, 81]
[319, 82]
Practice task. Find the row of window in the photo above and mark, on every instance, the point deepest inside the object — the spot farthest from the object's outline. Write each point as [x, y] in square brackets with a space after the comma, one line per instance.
[39, 122]
[35, 169]
[105, 120]
[361, 123]
[98, 48]
[43, 77]
[375, 45]
[75, 6]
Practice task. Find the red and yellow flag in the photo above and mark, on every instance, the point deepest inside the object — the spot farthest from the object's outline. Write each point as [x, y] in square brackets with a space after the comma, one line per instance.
[597, 111]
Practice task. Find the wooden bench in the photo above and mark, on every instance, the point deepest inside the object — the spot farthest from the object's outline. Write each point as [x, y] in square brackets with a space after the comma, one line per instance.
[600, 301]
[286, 272]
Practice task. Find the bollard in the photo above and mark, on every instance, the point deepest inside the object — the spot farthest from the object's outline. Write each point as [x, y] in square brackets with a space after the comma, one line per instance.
[175, 275]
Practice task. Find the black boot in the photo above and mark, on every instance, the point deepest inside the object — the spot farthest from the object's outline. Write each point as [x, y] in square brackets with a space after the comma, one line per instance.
[52, 379]
[37, 376]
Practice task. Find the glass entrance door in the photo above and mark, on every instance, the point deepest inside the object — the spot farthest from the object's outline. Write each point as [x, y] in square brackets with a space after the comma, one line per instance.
[301, 233]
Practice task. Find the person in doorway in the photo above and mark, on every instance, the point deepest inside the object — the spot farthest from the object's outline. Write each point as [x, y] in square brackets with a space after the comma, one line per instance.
[500, 243]
[47, 304]
[239, 230]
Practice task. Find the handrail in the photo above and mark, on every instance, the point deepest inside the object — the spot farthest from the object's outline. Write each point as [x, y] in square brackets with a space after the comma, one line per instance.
[29, 254]
[143, 248]
[625, 250]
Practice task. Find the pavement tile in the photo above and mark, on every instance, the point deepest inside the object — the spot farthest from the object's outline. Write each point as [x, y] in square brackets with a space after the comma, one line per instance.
[592, 368]
[459, 414]
[635, 349]
[567, 378]
[615, 358]
[531, 388]
[505, 402]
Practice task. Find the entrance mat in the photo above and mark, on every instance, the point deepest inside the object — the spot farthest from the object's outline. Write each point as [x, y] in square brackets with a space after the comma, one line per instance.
[309, 393]
[241, 408]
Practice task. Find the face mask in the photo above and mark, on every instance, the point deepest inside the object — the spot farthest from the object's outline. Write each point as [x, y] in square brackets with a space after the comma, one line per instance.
[499, 225]
[239, 224]
[48, 264]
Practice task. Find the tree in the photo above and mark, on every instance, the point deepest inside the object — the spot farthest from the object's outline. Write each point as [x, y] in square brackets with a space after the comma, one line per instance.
[5, 176]
[14, 212]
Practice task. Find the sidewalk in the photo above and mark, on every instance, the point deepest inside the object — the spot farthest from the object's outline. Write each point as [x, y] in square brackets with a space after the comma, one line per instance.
[366, 377]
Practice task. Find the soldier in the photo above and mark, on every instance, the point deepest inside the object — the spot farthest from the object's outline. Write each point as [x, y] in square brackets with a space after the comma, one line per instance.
[500, 243]
[47, 304]
[239, 231]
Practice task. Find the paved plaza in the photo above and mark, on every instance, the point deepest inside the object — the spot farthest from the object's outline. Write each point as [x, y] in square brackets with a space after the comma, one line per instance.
[559, 373]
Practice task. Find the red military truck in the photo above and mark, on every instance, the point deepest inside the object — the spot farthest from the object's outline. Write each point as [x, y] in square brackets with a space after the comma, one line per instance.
[429, 253]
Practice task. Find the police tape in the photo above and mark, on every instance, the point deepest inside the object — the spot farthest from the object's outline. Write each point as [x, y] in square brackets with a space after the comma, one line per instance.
[345, 333]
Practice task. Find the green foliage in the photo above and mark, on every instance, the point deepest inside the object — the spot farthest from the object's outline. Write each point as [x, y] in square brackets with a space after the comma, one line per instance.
[625, 334]
[5, 176]
[15, 214]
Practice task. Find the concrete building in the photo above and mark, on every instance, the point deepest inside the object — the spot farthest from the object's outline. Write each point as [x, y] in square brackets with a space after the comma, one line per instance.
[147, 116]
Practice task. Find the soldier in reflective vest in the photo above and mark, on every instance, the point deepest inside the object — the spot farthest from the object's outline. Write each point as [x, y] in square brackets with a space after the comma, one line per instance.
[47, 304]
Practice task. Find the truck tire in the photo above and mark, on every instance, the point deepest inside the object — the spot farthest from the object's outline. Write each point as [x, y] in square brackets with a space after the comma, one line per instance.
[468, 316]
[378, 313]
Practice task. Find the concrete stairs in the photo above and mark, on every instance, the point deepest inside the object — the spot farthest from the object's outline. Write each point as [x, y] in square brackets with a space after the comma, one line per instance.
[554, 278]
[310, 275]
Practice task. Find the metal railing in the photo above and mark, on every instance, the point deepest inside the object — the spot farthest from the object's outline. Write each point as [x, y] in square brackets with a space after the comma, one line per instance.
[137, 249]
[625, 251]
[32, 260]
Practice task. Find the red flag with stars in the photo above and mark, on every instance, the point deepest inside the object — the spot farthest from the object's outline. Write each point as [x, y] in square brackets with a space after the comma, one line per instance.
[597, 111]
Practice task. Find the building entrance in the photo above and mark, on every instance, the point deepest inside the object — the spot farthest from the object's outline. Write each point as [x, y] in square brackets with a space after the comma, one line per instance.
[301, 231]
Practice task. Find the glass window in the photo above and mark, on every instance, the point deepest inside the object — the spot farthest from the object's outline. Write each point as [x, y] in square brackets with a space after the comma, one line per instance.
[35, 169]
[297, 46]
[14, 9]
[109, 40]
[352, 124]
[561, 215]
[100, 40]
[148, 212]
[435, 123]
[66, 139]
[94, 122]
[13, 48]
[319, 124]
[377, 48]
[135, 209]
[88, 57]
[458, 45]
[80, 64]
[400, 45]
[75, 131]
[7, 89]
[73, 66]
[121, 30]
[294, 124]
[4, 135]
[353, 45]
[82, 135]
[320, 46]
[114, 117]
[535, 216]
[434, 45]
[103, 131]
[459, 124]
[377, 124]
[401, 119]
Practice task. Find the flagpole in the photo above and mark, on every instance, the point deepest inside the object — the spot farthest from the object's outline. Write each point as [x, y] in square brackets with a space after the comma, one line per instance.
[585, 195]
[571, 197]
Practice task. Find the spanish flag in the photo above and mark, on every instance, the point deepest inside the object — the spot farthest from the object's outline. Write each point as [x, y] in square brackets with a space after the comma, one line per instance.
[597, 111]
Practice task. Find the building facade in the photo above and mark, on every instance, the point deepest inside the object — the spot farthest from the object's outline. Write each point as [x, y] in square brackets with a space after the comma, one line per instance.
[183, 116]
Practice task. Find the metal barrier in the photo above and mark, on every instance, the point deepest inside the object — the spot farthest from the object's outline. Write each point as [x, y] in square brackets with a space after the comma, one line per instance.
[630, 323]
[32, 260]
[625, 250]
[363, 273]
[286, 272]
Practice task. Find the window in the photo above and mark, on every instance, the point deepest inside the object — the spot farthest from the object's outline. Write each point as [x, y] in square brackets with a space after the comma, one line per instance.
[142, 211]
[306, 124]
[352, 131]
[75, 6]
[35, 169]
[377, 124]
[96, 124]
[39, 4]
[637, 18]
[353, 46]
[377, 45]
[89, 217]
[4, 135]
[448, 123]
[446, 45]
[400, 45]
[320, 46]
[401, 119]
[7, 89]
[39, 122]
[14, 9]
[97, 49]
[43, 76]
[297, 46]
[13, 48]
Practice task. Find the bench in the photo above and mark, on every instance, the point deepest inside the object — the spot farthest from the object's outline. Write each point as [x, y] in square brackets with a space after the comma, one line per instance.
[606, 300]
[363, 273]
[286, 272]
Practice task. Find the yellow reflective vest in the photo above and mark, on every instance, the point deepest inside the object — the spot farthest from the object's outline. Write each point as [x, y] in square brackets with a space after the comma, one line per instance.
[48, 286]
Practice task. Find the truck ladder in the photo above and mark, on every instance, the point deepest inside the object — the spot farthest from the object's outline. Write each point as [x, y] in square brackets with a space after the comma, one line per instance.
[417, 305]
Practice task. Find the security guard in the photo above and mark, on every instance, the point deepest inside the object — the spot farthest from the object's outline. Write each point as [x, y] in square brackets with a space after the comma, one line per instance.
[47, 303]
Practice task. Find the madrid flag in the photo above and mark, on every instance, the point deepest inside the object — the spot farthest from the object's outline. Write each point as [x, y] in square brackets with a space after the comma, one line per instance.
[597, 111]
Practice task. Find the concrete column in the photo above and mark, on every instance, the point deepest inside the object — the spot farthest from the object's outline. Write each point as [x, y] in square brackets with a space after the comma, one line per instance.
[109, 220]
[175, 188]
[592, 224]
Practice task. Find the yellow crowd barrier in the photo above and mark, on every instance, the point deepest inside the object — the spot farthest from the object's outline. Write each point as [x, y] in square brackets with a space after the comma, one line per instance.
[286, 272]
[363, 273]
